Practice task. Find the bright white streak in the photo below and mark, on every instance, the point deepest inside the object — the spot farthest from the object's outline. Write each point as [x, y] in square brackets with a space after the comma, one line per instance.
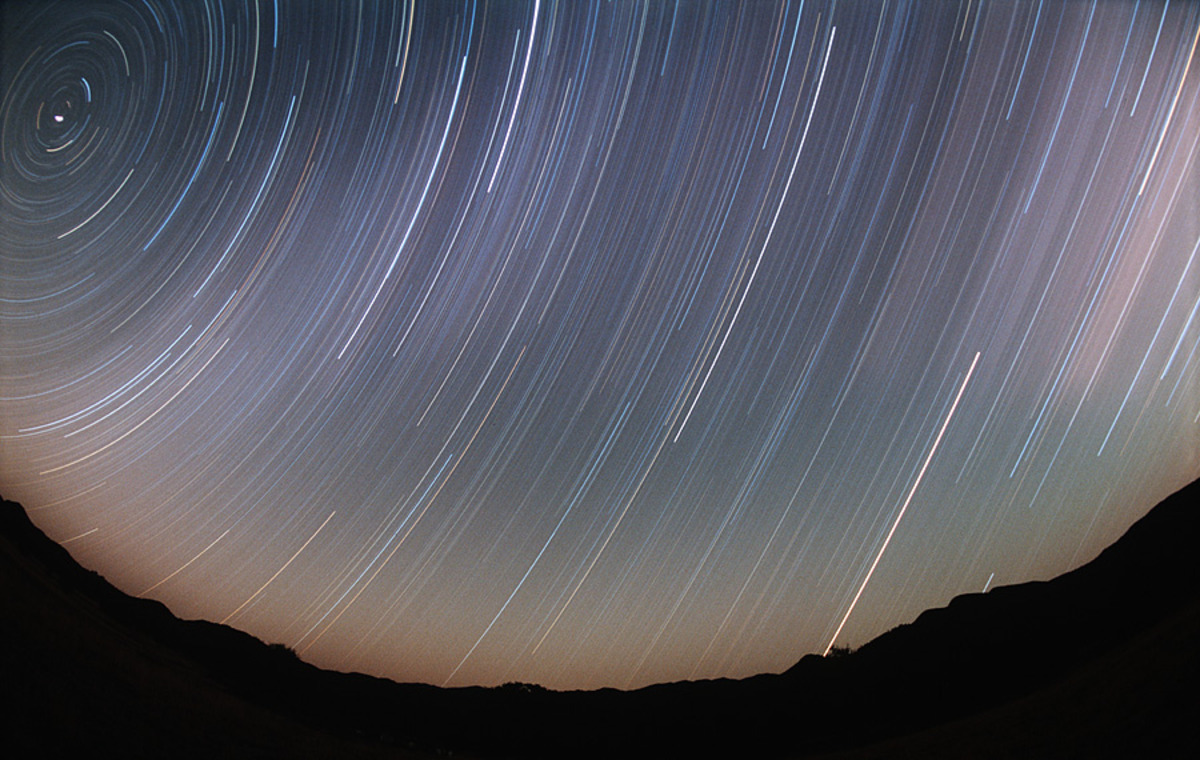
[1170, 114]
[102, 205]
[767, 241]
[520, 89]
[412, 9]
[929, 457]
[420, 203]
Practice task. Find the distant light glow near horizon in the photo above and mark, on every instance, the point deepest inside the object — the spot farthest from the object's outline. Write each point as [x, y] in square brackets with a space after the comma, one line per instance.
[594, 344]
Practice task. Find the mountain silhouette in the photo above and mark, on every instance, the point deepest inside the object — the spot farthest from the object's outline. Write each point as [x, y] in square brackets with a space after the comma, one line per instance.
[1099, 662]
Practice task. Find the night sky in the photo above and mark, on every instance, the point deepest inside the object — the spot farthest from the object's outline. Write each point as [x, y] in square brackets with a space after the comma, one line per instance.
[594, 344]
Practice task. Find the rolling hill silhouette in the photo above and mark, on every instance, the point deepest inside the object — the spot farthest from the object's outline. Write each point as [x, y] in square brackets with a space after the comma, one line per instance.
[1099, 662]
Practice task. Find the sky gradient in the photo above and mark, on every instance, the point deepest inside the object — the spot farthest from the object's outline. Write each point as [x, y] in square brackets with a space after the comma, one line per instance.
[594, 344]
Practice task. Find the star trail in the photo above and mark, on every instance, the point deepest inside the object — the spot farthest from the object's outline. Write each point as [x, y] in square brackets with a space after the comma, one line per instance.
[594, 343]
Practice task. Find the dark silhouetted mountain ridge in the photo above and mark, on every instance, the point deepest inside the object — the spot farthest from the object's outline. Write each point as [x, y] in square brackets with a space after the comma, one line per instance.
[1112, 641]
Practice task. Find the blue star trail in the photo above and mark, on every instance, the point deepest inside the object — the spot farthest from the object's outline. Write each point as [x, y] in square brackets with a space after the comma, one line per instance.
[594, 343]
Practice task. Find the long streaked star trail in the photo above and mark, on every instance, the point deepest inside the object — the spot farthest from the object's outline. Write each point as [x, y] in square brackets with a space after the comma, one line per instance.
[594, 343]
[903, 508]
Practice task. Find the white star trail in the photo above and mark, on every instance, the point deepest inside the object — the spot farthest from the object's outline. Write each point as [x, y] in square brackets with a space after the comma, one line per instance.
[904, 507]
[594, 343]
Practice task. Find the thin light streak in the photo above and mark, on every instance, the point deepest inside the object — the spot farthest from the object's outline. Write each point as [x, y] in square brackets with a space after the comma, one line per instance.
[904, 507]
[85, 534]
[103, 206]
[520, 90]
[462, 69]
[138, 426]
[1170, 114]
[697, 224]
[185, 565]
[291, 559]
[766, 241]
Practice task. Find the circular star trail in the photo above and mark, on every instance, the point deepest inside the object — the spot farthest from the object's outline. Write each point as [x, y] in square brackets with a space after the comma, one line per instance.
[594, 343]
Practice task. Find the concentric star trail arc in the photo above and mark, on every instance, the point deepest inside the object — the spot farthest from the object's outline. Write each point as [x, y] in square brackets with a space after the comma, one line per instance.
[594, 343]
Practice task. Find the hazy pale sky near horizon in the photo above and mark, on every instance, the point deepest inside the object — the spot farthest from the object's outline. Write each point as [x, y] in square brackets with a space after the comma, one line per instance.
[594, 344]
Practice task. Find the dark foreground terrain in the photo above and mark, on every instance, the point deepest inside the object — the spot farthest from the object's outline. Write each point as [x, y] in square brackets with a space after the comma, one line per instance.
[1099, 662]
